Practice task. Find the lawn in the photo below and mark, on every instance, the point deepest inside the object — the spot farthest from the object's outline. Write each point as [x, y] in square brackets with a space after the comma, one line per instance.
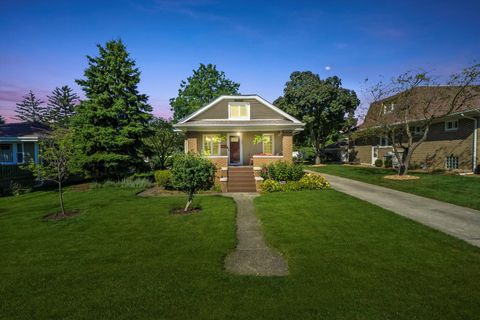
[126, 257]
[459, 190]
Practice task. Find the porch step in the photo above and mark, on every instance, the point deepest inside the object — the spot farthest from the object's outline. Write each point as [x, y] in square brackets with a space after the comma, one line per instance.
[241, 179]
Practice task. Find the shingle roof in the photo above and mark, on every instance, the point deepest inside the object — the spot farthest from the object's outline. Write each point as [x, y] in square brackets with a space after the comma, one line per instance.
[23, 129]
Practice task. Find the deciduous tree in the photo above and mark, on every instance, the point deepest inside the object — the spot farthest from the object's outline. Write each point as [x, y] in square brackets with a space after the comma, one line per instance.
[206, 84]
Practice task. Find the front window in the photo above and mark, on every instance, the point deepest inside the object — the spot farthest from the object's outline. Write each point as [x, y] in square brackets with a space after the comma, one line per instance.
[451, 125]
[268, 144]
[6, 153]
[384, 141]
[212, 144]
[20, 154]
[239, 110]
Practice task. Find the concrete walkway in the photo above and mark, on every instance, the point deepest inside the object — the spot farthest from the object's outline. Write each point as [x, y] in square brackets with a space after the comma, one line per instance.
[460, 222]
[252, 256]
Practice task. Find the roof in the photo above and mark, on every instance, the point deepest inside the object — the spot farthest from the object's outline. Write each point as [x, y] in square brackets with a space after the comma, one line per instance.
[439, 96]
[190, 121]
[23, 129]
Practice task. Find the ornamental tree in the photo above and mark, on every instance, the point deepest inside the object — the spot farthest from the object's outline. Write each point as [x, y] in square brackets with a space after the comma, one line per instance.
[191, 173]
[206, 84]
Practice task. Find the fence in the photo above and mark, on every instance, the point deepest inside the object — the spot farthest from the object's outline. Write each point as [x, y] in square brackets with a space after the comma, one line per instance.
[14, 174]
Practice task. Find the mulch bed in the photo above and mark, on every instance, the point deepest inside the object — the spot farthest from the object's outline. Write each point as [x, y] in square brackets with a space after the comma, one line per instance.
[57, 216]
[81, 187]
[180, 211]
[404, 177]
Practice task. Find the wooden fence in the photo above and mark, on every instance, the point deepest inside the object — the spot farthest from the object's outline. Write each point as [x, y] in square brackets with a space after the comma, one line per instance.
[14, 174]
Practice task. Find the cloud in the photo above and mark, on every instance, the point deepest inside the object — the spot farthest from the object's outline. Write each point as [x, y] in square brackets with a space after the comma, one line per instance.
[328, 68]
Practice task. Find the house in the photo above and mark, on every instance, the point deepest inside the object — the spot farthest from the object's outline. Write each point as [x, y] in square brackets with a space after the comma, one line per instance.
[452, 141]
[240, 134]
[19, 142]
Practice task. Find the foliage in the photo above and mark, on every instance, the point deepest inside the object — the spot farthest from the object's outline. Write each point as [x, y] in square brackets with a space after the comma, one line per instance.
[379, 163]
[150, 176]
[271, 185]
[292, 186]
[31, 109]
[415, 97]
[314, 182]
[205, 85]
[2, 119]
[17, 189]
[388, 162]
[111, 122]
[56, 160]
[259, 138]
[161, 143]
[477, 169]
[163, 178]
[282, 171]
[140, 183]
[61, 106]
[191, 173]
[326, 108]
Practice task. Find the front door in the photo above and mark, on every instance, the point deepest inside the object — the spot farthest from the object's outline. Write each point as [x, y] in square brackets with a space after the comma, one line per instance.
[234, 149]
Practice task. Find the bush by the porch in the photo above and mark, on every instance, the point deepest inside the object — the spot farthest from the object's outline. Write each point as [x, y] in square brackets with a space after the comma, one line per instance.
[307, 182]
[282, 171]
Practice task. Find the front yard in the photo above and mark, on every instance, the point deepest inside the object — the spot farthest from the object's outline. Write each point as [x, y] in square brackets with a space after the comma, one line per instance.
[459, 190]
[126, 257]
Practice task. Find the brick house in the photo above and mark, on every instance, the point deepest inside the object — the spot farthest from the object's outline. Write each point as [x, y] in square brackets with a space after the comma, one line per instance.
[240, 134]
[452, 141]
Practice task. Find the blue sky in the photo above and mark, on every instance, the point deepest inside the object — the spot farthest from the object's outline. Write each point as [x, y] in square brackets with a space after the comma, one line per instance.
[256, 43]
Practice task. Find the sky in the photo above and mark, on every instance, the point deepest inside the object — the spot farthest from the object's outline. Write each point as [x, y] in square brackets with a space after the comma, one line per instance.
[256, 43]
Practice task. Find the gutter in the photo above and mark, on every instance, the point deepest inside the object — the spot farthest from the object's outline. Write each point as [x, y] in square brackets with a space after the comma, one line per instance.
[475, 140]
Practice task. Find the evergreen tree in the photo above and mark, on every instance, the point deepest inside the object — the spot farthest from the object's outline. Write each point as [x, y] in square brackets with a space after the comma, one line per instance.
[31, 109]
[206, 84]
[2, 120]
[61, 106]
[111, 122]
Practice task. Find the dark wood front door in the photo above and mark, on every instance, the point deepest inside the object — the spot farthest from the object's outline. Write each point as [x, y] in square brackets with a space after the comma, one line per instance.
[234, 149]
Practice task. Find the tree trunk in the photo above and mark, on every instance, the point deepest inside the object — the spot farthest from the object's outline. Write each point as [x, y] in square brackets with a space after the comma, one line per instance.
[189, 201]
[403, 169]
[60, 193]
[317, 159]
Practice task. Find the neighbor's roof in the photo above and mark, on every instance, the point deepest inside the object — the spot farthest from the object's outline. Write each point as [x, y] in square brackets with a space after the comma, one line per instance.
[189, 120]
[23, 129]
[440, 97]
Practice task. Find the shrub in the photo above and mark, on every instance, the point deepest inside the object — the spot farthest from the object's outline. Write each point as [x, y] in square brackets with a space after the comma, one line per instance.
[314, 182]
[163, 178]
[292, 186]
[145, 175]
[378, 163]
[388, 162]
[477, 169]
[141, 183]
[270, 185]
[282, 171]
[191, 173]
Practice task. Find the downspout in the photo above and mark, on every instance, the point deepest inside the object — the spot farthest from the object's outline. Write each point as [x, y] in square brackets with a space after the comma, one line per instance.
[475, 139]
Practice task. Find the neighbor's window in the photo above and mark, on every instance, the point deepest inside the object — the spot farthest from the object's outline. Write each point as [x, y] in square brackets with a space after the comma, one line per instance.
[212, 144]
[384, 141]
[6, 153]
[268, 143]
[418, 130]
[389, 107]
[451, 162]
[20, 154]
[451, 125]
[239, 110]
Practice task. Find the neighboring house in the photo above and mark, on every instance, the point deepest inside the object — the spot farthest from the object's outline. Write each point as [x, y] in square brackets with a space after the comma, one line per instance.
[19, 142]
[452, 142]
[244, 130]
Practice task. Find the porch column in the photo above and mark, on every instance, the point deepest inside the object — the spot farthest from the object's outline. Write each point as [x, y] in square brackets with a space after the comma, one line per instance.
[287, 145]
[191, 143]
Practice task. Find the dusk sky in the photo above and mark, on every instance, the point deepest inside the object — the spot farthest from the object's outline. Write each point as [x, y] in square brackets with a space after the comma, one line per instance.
[256, 43]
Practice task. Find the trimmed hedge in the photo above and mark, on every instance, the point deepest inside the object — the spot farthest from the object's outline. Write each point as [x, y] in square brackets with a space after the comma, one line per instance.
[307, 182]
[379, 163]
[163, 178]
[282, 171]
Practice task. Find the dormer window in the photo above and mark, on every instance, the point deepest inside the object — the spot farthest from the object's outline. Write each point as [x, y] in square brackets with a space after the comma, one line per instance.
[239, 111]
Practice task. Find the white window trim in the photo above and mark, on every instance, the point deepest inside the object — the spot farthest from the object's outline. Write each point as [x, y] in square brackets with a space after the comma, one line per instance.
[23, 153]
[451, 129]
[219, 146]
[273, 143]
[245, 104]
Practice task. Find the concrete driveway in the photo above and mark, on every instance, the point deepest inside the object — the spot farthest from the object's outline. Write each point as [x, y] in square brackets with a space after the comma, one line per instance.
[460, 222]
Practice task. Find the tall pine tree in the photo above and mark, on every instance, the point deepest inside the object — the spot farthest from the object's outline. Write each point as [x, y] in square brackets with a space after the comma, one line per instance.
[61, 106]
[110, 123]
[31, 109]
[2, 119]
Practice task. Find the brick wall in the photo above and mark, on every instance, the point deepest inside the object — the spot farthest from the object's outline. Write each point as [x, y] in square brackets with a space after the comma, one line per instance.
[287, 145]
[219, 162]
[259, 161]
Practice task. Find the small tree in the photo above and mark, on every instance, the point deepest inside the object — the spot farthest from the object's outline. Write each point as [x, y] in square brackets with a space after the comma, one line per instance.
[206, 84]
[55, 160]
[2, 120]
[191, 173]
[163, 141]
[61, 105]
[414, 99]
[31, 109]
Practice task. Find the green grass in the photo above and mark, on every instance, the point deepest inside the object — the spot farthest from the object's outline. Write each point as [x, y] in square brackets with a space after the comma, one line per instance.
[459, 190]
[126, 257]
